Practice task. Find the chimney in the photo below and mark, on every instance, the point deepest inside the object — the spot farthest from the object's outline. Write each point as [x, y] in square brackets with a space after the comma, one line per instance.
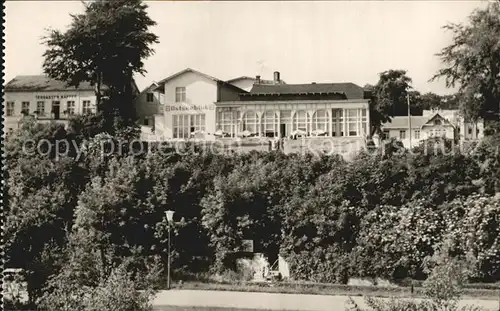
[257, 78]
[276, 77]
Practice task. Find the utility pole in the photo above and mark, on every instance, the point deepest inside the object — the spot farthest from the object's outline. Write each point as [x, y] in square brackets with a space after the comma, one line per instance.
[409, 116]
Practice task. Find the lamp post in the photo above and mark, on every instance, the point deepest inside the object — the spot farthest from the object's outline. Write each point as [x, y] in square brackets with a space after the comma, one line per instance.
[170, 216]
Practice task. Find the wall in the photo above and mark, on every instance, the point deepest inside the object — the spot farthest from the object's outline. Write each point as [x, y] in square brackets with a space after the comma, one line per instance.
[144, 108]
[33, 97]
[201, 94]
[226, 92]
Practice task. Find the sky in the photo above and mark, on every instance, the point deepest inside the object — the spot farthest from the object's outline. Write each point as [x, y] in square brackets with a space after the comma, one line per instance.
[323, 42]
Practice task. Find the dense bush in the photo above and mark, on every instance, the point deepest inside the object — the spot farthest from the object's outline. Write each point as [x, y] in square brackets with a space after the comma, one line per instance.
[379, 215]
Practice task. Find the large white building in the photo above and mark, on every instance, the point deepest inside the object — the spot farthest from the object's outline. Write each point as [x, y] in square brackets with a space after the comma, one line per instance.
[193, 104]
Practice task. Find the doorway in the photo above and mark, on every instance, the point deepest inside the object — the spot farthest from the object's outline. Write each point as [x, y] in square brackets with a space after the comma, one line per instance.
[283, 130]
[56, 109]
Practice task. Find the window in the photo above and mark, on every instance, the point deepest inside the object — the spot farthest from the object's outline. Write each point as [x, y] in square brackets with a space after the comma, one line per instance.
[386, 134]
[320, 121]
[198, 123]
[184, 125]
[337, 122]
[437, 122]
[270, 124]
[250, 122]
[10, 109]
[71, 107]
[40, 107]
[181, 126]
[86, 107]
[402, 134]
[227, 120]
[417, 134]
[25, 107]
[149, 97]
[300, 121]
[146, 121]
[180, 94]
[353, 119]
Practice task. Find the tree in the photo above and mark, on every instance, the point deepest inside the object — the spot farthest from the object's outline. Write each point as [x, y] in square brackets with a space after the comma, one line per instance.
[104, 46]
[389, 97]
[473, 62]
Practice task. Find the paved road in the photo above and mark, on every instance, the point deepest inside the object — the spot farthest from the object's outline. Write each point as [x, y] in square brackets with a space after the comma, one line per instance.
[271, 301]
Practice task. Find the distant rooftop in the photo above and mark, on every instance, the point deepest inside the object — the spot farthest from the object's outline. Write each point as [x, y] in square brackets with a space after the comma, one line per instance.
[42, 83]
[350, 90]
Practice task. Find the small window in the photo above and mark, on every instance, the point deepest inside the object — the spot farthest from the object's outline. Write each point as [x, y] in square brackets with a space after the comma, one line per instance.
[149, 97]
[417, 134]
[470, 131]
[146, 121]
[25, 108]
[386, 134]
[180, 94]
[71, 107]
[40, 108]
[10, 109]
[402, 134]
[86, 107]
[437, 122]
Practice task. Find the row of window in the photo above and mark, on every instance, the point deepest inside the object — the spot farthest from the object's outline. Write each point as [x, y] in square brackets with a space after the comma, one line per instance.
[402, 134]
[416, 133]
[343, 122]
[185, 125]
[40, 107]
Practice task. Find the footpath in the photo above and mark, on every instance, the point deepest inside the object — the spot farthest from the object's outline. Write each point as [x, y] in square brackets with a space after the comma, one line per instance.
[271, 301]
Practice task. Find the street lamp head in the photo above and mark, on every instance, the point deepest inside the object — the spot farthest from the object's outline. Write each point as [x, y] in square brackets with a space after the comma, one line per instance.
[170, 215]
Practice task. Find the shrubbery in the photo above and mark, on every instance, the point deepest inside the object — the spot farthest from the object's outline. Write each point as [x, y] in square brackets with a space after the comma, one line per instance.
[376, 216]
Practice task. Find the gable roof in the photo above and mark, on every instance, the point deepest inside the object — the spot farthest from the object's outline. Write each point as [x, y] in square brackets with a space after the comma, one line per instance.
[436, 116]
[350, 90]
[161, 83]
[186, 71]
[32, 83]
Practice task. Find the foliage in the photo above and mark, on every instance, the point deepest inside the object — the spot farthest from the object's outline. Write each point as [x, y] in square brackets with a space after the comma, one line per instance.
[105, 46]
[473, 62]
[389, 97]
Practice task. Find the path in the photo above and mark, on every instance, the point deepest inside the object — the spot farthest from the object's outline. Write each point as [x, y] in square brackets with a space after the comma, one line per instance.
[271, 301]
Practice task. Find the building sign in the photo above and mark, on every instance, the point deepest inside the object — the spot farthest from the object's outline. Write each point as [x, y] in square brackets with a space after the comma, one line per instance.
[65, 96]
[189, 108]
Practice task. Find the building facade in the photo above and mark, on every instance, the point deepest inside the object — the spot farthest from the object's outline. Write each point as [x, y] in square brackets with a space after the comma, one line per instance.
[46, 99]
[196, 105]
[412, 131]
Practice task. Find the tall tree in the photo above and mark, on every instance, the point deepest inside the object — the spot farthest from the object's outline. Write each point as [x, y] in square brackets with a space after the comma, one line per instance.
[105, 46]
[473, 62]
[388, 97]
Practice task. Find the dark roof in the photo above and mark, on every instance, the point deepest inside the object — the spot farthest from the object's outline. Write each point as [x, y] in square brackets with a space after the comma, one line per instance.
[350, 90]
[42, 83]
[401, 122]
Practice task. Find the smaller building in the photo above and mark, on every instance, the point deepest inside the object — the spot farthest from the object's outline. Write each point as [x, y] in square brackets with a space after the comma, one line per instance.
[47, 100]
[464, 130]
[412, 130]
